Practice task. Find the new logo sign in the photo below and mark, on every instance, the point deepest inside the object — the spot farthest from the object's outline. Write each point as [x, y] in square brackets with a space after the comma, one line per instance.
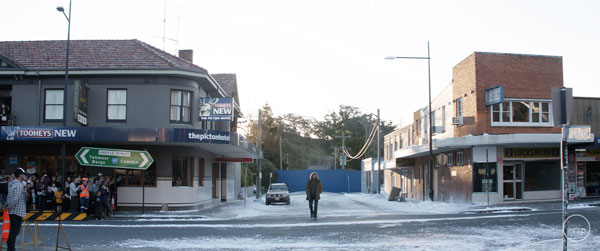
[216, 109]
[36, 133]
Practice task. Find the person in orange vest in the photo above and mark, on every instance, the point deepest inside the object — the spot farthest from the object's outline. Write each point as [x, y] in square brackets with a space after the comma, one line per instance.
[59, 195]
[84, 196]
[16, 205]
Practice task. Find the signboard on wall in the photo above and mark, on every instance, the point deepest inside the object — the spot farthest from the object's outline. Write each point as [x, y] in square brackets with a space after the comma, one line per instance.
[531, 152]
[216, 109]
[580, 133]
[592, 153]
[494, 95]
[80, 103]
[114, 134]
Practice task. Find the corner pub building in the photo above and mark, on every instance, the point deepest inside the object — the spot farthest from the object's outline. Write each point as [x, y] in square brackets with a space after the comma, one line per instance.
[122, 94]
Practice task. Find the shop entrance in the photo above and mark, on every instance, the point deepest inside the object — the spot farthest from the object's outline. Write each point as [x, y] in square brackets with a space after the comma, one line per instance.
[215, 173]
[513, 181]
[592, 179]
[223, 182]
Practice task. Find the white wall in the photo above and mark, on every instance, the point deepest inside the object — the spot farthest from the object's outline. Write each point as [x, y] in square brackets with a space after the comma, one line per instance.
[444, 99]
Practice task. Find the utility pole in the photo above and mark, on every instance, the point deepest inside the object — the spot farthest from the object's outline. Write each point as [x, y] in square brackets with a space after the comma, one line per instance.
[258, 143]
[430, 168]
[343, 158]
[279, 131]
[335, 154]
[287, 161]
[378, 153]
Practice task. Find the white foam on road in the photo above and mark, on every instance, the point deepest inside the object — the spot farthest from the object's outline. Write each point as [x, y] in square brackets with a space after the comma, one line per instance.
[583, 206]
[505, 238]
[358, 205]
[384, 223]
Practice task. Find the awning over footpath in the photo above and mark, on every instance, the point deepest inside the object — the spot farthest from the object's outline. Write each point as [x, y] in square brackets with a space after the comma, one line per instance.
[448, 144]
[225, 143]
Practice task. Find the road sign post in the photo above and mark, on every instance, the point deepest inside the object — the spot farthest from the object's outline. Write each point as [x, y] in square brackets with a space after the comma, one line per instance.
[114, 158]
[562, 106]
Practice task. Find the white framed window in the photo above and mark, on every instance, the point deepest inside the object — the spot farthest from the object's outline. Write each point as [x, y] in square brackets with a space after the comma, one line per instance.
[450, 159]
[443, 119]
[53, 104]
[459, 158]
[116, 105]
[459, 108]
[519, 112]
[181, 106]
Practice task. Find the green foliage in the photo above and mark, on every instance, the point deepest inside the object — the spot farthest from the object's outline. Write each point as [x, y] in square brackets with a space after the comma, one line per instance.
[306, 141]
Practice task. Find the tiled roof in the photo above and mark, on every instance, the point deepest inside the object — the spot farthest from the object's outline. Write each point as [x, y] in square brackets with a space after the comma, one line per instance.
[228, 81]
[92, 55]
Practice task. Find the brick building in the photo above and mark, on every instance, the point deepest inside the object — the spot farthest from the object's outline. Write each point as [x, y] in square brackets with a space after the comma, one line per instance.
[512, 145]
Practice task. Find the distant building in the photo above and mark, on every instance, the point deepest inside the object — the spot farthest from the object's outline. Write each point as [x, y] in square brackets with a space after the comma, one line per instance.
[512, 145]
[122, 94]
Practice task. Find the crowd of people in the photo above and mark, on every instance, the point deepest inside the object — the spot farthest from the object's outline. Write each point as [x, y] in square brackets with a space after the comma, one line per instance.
[78, 194]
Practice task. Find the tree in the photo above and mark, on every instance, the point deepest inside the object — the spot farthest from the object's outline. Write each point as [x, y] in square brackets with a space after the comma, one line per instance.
[306, 141]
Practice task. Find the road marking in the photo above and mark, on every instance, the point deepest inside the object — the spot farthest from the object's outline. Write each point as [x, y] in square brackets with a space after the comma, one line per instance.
[288, 225]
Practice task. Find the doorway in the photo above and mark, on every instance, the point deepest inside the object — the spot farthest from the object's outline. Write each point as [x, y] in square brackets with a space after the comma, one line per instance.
[436, 193]
[223, 182]
[513, 181]
[215, 173]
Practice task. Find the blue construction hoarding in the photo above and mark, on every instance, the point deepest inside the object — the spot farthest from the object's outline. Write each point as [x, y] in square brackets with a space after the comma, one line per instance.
[335, 181]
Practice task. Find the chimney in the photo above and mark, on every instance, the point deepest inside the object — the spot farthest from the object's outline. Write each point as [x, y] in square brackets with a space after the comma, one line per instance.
[187, 55]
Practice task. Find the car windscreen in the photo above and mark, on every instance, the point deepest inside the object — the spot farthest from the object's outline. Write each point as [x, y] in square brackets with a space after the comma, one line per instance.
[278, 188]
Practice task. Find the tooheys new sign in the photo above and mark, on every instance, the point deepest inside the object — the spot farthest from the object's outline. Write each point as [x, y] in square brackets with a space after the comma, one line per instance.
[216, 109]
[114, 158]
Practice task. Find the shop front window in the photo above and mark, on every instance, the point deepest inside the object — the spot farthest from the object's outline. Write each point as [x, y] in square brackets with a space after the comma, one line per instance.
[134, 177]
[479, 177]
[182, 171]
[592, 179]
[542, 175]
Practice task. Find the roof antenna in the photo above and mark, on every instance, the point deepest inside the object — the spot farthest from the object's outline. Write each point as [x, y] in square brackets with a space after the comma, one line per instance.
[178, 26]
[164, 25]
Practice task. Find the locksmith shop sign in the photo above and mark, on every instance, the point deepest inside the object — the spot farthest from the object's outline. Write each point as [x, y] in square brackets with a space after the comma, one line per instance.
[531, 152]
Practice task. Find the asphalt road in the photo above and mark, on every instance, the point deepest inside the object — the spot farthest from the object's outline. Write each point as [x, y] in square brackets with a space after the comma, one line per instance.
[538, 229]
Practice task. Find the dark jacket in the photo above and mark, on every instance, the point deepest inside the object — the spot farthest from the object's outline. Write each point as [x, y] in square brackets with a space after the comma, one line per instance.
[318, 186]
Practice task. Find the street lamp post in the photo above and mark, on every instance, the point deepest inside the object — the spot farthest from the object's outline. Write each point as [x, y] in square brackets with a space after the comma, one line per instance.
[64, 144]
[430, 176]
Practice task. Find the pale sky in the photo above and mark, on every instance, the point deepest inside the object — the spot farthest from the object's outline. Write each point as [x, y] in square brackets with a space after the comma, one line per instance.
[308, 57]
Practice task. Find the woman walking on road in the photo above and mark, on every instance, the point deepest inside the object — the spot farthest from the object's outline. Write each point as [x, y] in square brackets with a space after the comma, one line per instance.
[313, 191]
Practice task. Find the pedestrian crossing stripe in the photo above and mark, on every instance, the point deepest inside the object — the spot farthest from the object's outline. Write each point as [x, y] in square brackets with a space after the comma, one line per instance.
[48, 215]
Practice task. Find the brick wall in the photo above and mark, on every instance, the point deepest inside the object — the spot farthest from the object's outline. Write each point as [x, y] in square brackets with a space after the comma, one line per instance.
[463, 86]
[457, 189]
[523, 76]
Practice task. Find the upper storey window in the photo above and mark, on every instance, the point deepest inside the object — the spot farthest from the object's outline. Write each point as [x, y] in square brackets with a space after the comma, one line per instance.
[181, 106]
[116, 105]
[521, 113]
